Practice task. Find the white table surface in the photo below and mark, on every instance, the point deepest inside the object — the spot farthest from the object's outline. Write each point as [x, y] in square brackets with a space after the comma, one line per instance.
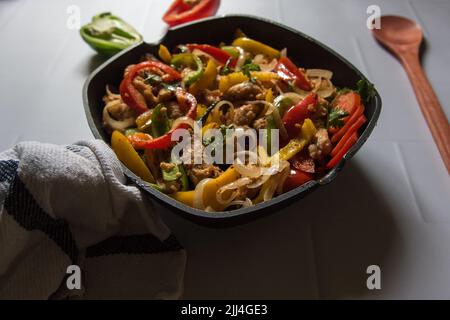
[390, 206]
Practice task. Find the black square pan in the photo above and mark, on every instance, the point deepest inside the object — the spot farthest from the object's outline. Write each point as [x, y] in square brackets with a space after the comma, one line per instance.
[304, 50]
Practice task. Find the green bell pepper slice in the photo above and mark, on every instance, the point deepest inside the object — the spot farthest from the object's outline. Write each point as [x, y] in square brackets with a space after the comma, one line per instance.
[177, 173]
[190, 60]
[160, 122]
[108, 34]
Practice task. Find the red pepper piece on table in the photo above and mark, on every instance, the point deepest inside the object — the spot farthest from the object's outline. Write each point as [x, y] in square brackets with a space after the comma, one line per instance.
[188, 103]
[354, 128]
[295, 179]
[181, 11]
[338, 157]
[288, 71]
[131, 96]
[298, 113]
[220, 55]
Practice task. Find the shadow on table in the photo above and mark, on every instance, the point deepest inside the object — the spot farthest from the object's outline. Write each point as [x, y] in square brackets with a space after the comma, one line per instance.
[320, 247]
[92, 63]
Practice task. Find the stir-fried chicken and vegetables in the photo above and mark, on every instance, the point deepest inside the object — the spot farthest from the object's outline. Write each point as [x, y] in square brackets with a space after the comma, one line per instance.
[304, 125]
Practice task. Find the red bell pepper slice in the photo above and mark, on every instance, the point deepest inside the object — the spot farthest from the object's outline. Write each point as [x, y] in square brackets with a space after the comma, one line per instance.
[347, 145]
[354, 128]
[131, 96]
[188, 103]
[180, 11]
[295, 179]
[220, 55]
[298, 113]
[348, 123]
[288, 71]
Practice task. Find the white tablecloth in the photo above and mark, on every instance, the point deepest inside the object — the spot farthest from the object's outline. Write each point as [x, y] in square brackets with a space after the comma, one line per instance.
[390, 206]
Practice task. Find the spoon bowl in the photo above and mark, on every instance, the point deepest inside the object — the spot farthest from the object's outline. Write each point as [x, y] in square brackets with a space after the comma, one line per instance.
[403, 37]
[398, 31]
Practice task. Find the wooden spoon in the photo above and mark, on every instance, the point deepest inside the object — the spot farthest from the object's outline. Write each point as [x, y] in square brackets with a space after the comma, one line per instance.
[403, 37]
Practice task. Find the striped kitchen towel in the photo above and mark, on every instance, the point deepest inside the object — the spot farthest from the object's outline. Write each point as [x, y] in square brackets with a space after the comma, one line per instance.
[70, 227]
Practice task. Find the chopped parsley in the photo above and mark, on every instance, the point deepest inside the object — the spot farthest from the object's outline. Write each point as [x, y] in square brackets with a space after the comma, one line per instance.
[226, 68]
[365, 89]
[335, 117]
[248, 67]
[153, 79]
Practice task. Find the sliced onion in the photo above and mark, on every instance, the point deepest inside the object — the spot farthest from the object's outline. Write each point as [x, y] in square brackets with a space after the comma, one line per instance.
[248, 170]
[283, 176]
[267, 67]
[294, 97]
[241, 60]
[259, 182]
[225, 201]
[244, 153]
[325, 93]
[235, 184]
[268, 194]
[283, 52]
[113, 123]
[302, 93]
[198, 194]
[216, 110]
[319, 73]
[243, 203]
[209, 209]
[111, 95]
[182, 120]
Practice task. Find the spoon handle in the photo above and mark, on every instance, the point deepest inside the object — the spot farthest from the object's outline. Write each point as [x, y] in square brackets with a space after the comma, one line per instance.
[429, 104]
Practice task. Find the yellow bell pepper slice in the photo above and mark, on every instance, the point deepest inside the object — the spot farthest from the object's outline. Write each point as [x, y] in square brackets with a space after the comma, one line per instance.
[209, 190]
[269, 96]
[211, 125]
[129, 157]
[256, 47]
[201, 109]
[206, 80]
[164, 54]
[230, 80]
[186, 197]
[293, 147]
[264, 76]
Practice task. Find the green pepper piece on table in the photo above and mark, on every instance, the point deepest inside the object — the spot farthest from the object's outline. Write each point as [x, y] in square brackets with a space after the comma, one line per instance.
[108, 34]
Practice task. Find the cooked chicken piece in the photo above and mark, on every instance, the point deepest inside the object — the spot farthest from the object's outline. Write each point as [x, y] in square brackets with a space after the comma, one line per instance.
[116, 114]
[211, 96]
[198, 172]
[321, 145]
[243, 91]
[244, 192]
[173, 110]
[151, 97]
[167, 166]
[245, 114]
[260, 123]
